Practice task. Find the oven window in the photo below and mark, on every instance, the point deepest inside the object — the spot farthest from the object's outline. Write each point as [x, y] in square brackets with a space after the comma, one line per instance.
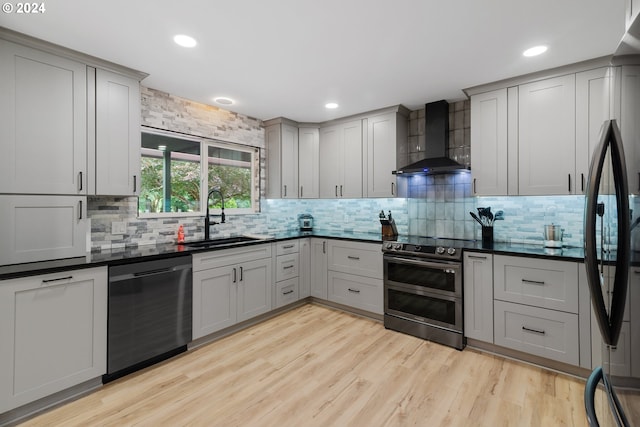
[429, 308]
[427, 277]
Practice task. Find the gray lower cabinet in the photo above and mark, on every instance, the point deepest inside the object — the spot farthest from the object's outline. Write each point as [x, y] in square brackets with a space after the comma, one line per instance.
[478, 296]
[53, 329]
[360, 292]
[304, 284]
[318, 268]
[287, 272]
[227, 292]
[536, 308]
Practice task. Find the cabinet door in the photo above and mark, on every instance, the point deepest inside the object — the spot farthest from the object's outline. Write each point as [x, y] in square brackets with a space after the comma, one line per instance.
[214, 300]
[54, 333]
[381, 155]
[594, 89]
[272, 136]
[319, 268]
[38, 228]
[351, 160]
[309, 162]
[117, 134]
[289, 164]
[43, 119]
[330, 161]
[489, 143]
[304, 288]
[478, 296]
[630, 124]
[254, 288]
[546, 135]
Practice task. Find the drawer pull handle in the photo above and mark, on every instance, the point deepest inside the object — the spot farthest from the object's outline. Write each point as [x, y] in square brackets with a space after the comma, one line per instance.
[477, 257]
[57, 280]
[357, 258]
[355, 291]
[241, 274]
[532, 282]
[535, 331]
[287, 292]
[636, 271]
[235, 278]
[79, 181]
[286, 267]
[288, 247]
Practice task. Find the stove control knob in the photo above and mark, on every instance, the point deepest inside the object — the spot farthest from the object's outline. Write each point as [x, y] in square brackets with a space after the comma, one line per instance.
[397, 246]
[451, 251]
[387, 245]
[417, 248]
[440, 250]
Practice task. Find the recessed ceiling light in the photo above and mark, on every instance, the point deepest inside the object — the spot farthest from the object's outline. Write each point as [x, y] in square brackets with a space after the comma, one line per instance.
[534, 51]
[331, 105]
[185, 41]
[223, 100]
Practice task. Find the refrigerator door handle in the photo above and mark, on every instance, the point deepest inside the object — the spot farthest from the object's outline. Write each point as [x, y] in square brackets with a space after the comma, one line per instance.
[610, 324]
[589, 396]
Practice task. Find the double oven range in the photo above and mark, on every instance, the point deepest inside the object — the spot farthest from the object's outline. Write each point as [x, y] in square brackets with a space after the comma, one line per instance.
[423, 288]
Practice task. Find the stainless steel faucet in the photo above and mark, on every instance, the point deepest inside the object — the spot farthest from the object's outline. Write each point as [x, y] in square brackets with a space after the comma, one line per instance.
[207, 220]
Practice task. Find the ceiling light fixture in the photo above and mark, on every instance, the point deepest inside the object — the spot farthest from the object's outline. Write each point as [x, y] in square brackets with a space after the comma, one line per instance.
[534, 51]
[223, 100]
[331, 105]
[185, 41]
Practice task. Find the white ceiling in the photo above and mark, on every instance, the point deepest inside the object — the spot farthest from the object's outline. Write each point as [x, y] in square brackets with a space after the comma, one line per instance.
[289, 57]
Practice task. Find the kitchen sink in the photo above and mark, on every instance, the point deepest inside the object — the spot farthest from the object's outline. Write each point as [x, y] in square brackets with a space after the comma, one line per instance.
[213, 243]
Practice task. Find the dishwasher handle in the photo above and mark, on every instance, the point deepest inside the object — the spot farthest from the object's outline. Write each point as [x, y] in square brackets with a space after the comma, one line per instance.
[137, 273]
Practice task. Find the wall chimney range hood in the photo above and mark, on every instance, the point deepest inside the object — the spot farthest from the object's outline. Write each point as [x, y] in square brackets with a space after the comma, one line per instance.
[436, 132]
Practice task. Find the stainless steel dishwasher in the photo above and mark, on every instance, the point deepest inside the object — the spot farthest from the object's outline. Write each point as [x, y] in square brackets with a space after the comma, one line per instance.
[150, 313]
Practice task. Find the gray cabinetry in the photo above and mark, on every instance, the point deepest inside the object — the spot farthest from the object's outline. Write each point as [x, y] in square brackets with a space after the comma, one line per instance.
[287, 272]
[54, 334]
[43, 122]
[281, 139]
[230, 286]
[318, 270]
[341, 160]
[478, 296]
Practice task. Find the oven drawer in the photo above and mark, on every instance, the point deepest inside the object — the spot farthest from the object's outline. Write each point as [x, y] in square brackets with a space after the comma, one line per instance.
[363, 259]
[545, 333]
[355, 291]
[538, 282]
[286, 266]
[286, 292]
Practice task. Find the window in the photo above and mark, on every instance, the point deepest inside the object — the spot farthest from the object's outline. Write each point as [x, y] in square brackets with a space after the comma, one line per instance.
[173, 166]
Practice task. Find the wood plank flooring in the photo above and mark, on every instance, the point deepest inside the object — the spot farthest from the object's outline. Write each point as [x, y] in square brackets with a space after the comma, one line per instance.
[316, 366]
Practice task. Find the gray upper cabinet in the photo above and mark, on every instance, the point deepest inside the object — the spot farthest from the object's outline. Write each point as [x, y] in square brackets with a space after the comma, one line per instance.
[309, 162]
[386, 134]
[43, 122]
[546, 137]
[341, 160]
[282, 160]
[630, 123]
[117, 134]
[489, 143]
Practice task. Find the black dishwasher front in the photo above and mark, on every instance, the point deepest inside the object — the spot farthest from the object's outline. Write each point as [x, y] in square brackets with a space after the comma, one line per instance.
[150, 313]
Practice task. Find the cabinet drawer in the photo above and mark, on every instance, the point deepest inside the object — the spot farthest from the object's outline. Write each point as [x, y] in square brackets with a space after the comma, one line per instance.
[286, 292]
[355, 291]
[364, 259]
[537, 282]
[287, 247]
[286, 266]
[545, 333]
[220, 258]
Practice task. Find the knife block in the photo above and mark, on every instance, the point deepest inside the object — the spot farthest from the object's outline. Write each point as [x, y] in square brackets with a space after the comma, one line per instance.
[389, 228]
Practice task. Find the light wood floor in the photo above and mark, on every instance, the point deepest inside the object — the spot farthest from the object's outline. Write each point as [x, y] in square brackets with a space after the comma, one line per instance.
[315, 366]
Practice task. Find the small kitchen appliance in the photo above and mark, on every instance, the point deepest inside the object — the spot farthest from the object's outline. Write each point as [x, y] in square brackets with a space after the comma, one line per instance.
[306, 222]
[553, 236]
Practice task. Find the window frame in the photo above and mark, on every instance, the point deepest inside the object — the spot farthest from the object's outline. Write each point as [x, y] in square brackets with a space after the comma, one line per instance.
[205, 143]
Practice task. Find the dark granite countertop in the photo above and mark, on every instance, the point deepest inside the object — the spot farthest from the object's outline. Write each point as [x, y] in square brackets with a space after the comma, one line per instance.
[166, 250]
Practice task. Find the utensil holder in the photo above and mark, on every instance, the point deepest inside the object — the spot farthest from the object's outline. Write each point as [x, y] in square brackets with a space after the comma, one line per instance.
[487, 237]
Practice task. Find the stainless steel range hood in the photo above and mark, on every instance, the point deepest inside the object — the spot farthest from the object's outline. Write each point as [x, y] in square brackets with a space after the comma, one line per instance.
[436, 132]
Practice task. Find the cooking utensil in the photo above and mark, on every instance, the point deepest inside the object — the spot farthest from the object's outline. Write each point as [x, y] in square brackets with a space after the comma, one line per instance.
[474, 216]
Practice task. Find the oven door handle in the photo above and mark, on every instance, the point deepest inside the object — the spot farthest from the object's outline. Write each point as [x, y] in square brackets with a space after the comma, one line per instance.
[447, 267]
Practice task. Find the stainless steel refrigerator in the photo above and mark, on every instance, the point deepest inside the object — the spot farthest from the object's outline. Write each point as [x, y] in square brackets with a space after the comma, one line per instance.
[612, 262]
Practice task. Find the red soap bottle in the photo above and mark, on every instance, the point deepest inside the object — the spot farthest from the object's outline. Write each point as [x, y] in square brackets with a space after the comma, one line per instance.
[181, 234]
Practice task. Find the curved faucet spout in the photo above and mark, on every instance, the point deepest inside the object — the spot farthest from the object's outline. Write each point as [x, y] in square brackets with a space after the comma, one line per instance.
[207, 220]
